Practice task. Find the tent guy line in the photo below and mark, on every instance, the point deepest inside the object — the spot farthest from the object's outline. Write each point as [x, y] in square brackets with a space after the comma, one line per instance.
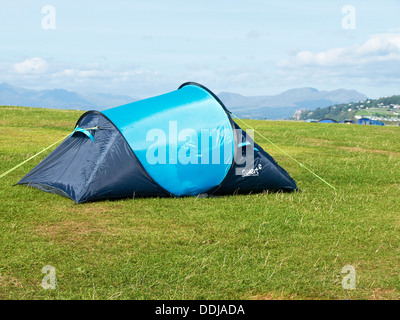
[53, 144]
[34, 156]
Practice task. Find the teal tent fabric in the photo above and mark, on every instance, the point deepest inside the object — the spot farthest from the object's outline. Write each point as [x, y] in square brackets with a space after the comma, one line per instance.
[192, 122]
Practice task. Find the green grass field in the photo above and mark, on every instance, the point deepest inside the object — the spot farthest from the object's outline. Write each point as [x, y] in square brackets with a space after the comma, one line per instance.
[259, 246]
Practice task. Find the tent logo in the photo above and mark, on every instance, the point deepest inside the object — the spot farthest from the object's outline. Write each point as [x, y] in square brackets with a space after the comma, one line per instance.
[252, 172]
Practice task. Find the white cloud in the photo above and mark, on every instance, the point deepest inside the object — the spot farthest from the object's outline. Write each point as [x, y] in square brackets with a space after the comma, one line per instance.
[374, 62]
[135, 80]
[36, 73]
[385, 47]
[96, 76]
[31, 66]
[130, 79]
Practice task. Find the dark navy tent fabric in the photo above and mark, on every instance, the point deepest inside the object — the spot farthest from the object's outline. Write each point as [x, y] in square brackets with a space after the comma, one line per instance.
[84, 170]
[183, 143]
[265, 174]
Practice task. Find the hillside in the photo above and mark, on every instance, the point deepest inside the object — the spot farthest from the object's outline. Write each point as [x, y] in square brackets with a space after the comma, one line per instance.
[385, 109]
[284, 105]
[258, 246]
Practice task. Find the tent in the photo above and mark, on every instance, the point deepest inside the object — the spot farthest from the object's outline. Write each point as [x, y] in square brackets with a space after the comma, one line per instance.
[182, 143]
[347, 121]
[326, 120]
[367, 121]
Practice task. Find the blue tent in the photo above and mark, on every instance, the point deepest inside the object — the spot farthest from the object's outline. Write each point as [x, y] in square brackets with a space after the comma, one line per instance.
[182, 143]
[326, 120]
[367, 121]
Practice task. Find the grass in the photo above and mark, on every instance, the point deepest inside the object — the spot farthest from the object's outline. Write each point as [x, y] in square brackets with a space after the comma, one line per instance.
[259, 246]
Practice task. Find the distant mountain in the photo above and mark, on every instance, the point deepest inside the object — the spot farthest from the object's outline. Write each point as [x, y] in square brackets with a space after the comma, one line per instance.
[60, 98]
[285, 104]
[280, 106]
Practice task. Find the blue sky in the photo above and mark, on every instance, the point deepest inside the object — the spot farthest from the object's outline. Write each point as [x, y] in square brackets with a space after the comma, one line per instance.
[143, 48]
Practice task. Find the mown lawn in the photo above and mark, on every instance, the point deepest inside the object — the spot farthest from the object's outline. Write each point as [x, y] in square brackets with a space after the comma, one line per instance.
[260, 246]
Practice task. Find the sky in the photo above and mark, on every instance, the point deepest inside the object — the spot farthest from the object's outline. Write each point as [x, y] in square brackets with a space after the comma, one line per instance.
[252, 47]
